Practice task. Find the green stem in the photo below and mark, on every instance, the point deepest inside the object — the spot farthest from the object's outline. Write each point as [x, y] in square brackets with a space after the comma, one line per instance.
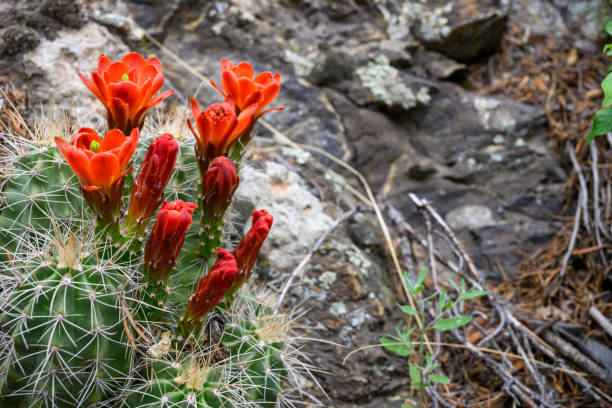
[211, 232]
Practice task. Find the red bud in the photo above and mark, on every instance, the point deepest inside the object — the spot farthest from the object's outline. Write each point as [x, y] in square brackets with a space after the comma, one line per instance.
[248, 249]
[152, 178]
[212, 287]
[218, 187]
[166, 240]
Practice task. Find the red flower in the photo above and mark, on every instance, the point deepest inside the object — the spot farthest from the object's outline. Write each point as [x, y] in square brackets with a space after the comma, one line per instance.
[101, 165]
[218, 127]
[166, 240]
[127, 88]
[248, 249]
[218, 186]
[153, 175]
[212, 287]
[239, 85]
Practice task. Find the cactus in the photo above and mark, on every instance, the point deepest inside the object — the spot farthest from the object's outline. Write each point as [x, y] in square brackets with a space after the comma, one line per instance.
[91, 290]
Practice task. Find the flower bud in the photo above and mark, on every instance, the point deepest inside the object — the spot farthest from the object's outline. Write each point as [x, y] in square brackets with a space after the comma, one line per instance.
[212, 287]
[149, 184]
[218, 187]
[166, 240]
[248, 249]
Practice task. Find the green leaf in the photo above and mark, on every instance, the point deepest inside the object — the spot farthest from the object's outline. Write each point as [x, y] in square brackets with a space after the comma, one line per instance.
[454, 285]
[406, 406]
[439, 378]
[452, 323]
[393, 346]
[421, 277]
[602, 123]
[415, 376]
[409, 310]
[408, 284]
[473, 294]
[609, 27]
[606, 85]
[442, 300]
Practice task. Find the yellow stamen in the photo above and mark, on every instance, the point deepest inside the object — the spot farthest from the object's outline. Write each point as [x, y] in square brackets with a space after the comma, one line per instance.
[94, 146]
[125, 77]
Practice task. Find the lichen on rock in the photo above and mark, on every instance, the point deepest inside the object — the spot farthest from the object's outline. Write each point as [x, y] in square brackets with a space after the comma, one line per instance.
[386, 85]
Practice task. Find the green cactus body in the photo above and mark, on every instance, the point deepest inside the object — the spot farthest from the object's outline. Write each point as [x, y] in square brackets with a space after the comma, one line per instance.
[263, 370]
[180, 385]
[67, 335]
[41, 188]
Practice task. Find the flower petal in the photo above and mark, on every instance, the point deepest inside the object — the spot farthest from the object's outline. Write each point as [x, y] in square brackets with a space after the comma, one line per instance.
[134, 60]
[115, 72]
[195, 109]
[128, 147]
[113, 139]
[148, 71]
[229, 82]
[78, 134]
[269, 93]
[128, 92]
[83, 138]
[103, 169]
[103, 63]
[263, 78]
[102, 87]
[245, 120]
[118, 114]
[91, 86]
[159, 98]
[244, 69]
[155, 62]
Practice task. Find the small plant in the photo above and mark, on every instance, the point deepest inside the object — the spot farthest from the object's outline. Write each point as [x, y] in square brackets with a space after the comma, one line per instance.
[602, 121]
[412, 342]
[108, 300]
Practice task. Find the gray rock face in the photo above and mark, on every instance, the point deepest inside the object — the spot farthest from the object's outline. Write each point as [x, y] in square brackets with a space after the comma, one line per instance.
[299, 216]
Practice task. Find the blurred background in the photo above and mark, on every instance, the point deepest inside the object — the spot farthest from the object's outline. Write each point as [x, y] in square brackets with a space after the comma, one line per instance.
[479, 107]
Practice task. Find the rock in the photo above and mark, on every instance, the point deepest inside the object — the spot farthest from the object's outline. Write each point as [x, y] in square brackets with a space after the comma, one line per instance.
[299, 216]
[472, 217]
[463, 164]
[336, 67]
[563, 18]
[27, 22]
[461, 30]
[17, 39]
[149, 15]
[382, 85]
[435, 65]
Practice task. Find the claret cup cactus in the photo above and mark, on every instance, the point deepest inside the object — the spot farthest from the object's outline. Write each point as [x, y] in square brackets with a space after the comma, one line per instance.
[116, 289]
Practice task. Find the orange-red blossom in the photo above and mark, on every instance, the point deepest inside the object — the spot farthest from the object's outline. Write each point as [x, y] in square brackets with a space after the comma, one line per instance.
[127, 88]
[245, 90]
[217, 129]
[101, 165]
